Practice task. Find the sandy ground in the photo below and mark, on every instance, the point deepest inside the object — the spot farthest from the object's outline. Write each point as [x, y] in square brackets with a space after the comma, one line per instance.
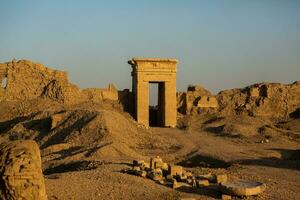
[200, 152]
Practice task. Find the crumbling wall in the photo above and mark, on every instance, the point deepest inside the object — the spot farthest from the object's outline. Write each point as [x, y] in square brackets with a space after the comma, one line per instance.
[99, 94]
[263, 99]
[195, 99]
[27, 80]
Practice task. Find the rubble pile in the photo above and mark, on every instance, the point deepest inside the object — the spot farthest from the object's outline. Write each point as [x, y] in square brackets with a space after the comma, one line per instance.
[172, 175]
[176, 176]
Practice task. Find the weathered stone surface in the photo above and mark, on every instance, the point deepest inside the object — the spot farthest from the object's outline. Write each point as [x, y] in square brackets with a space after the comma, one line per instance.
[207, 102]
[242, 188]
[195, 97]
[25, 80]
[202, 183]
[221, 178]
[264, 99]
[175, 170]
[156, 162]
[226, 197]
[55, 119]
[20, 171]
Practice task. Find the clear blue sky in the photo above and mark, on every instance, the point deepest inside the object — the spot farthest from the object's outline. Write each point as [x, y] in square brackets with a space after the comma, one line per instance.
[220, 44]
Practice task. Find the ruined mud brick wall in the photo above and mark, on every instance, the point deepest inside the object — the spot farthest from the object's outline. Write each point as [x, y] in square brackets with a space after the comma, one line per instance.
[27, 80]
[21, 174]
[263, 99]
[195, 97]
[98, 94]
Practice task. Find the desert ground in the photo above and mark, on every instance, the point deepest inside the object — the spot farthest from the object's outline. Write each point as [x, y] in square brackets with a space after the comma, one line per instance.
[87, 137]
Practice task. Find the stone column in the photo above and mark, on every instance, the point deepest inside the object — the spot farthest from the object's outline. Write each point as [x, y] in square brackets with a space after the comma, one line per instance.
[170, 104]
[142, 100]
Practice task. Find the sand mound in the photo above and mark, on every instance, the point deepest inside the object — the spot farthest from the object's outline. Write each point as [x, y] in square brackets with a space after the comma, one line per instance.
[235, 126]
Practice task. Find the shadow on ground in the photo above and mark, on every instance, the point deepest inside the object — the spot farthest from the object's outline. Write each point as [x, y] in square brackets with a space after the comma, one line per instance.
[290, 159]
[199, 160]
[73, 166]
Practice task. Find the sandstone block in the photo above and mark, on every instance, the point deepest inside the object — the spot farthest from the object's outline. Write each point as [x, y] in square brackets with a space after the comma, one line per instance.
[175, 170]
[207, 102]
[21, 172]
[156, 162]
[254, 92]
[221, 178]
[226, 197]
[202, 183]
[142, 173]
[242, 188]
[55, 119]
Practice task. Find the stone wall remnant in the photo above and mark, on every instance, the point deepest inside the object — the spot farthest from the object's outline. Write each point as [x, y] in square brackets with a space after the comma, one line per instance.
[207, 102]
[25, 80]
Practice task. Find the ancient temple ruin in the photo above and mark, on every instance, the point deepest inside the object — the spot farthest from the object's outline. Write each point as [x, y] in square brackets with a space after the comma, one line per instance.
[162, 72]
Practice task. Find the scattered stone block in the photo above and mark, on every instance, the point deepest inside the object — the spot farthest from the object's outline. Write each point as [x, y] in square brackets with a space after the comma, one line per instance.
[202, 183]
[210, 177]
[221, 178]
[242, 188]
[56, 119]
[142, 174]
[175, 170]
[136, 168]
[155, 174]
[188, 174]
[175, 184]
[161, 181]
[156, 162]
[226, 197]
[165, 166]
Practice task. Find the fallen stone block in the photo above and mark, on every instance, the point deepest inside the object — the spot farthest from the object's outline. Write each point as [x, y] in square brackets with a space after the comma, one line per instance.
[202, 183]
[155, 174]
[175, 170]
[226, 197]
[156, 162]
[242, 188]
[142, 173]
[221, 178]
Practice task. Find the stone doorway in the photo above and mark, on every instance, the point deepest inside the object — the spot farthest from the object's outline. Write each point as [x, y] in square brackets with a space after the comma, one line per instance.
[156, 111]
[147, 71]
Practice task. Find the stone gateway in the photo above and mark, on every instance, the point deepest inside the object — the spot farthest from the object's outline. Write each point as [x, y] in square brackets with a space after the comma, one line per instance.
[162, 72]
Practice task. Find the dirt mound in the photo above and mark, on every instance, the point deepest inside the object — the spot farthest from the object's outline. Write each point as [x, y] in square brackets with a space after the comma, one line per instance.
[236, 127]
[79, 132]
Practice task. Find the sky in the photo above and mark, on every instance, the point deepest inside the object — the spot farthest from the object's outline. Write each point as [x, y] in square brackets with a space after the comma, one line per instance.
[220, 44]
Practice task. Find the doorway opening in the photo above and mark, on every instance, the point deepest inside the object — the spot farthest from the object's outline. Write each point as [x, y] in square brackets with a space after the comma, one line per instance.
[156, 103]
